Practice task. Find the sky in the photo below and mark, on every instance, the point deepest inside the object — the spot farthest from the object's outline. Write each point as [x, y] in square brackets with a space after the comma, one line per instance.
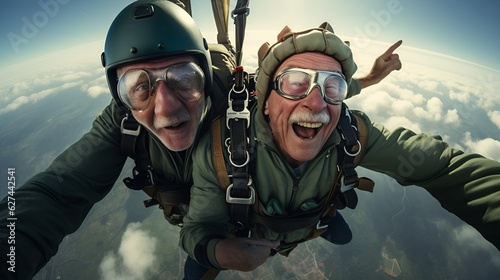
[464, 29]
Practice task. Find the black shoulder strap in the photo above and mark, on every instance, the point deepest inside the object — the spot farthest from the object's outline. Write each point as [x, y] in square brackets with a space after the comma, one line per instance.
[349, 153]
[130, 130]
[239, 15]
[134, 144]
[171, 198]
[240, 194]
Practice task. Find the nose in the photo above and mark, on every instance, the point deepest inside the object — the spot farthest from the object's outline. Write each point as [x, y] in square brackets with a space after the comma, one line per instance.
[315, 100]
[166, 102]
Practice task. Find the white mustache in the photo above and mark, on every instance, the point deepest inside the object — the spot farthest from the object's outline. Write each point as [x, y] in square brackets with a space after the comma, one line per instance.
[161, 122]
[321, 117]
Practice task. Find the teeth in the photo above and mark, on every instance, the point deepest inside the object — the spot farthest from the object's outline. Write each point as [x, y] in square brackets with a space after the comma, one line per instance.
[309, 125]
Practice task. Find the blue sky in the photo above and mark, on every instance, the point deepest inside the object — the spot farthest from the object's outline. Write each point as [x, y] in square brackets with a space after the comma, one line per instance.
[465, 29]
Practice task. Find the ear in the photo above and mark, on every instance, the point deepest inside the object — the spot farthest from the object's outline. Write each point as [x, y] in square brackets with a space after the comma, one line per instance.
[266, 108]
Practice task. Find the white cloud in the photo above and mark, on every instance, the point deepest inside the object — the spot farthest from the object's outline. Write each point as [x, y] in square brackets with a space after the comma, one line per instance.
[20, 87]
[399, 121]
[488, 147]
[495, 117]
[22, 100]
[95, 91]
[135, 257]
[96, 87]
[402, 107]
[72, 76]
[463, 97]
[471, 240]
[432, 112]
[428, 85]
[452, 117]
[435, 108]
[45, 83]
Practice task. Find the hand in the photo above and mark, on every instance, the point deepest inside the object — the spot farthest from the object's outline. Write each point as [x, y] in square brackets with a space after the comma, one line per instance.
[243, 254]
[383, 66]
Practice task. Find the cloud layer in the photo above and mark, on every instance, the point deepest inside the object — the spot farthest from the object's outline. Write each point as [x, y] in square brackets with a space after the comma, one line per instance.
[32, 81]
[135, 257]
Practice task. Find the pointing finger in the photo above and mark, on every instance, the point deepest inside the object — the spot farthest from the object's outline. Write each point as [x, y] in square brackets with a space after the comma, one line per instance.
[392, 48]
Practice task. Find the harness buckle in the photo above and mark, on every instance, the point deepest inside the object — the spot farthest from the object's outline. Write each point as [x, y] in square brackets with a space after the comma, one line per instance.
[346, 187]
[133, 132]
[240, 200]
[320, 226]
[244, 114]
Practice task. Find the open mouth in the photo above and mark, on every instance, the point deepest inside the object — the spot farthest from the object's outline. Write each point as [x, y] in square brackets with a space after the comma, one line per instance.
[176, 126]
[306, 130]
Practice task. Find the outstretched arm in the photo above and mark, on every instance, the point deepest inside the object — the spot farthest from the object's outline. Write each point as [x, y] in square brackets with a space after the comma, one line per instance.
[383, 66]
[55, 202]
[243, 254]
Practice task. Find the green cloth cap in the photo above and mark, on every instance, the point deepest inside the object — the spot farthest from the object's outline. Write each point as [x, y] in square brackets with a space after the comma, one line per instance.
[320, 39]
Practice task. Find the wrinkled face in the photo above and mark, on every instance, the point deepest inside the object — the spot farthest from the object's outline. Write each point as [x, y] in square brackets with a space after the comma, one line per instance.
[301, 127]
[173, 119]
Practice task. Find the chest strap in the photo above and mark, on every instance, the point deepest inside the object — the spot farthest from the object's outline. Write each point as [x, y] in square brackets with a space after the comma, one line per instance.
[240, 194]
[342, 194]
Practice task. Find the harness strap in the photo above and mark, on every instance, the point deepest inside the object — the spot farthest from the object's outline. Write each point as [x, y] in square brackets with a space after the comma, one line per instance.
[339, 199]
[134, 144]
[362, 132]
[218, 154]
[221, 12]
[240, 194]
[130, 129]
[284, 224]
[171, 198]
[317, 220]
[350, 151]
[364, 184]
[239, 15]
[210, 274]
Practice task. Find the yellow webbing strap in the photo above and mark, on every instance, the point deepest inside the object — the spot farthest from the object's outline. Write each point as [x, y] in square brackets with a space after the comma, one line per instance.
[363, 135]
[210, 274]
[218, 154]
[222, 176]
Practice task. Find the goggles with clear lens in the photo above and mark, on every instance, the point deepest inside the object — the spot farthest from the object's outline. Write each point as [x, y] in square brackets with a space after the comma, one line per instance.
[297, 83]
[136, 86]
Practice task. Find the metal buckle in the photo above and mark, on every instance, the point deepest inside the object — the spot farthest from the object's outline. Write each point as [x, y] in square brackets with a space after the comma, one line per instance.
[320, 226]
[129, 131]
[230, 199]
[243, 114]
[344, 187]
[355, 153]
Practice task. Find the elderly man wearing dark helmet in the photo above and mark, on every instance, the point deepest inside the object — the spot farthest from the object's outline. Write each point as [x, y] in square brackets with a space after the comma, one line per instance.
[293, 143]
[159, 71]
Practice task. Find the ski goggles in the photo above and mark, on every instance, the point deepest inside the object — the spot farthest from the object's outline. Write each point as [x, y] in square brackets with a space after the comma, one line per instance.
[297, 83]
[136, 86]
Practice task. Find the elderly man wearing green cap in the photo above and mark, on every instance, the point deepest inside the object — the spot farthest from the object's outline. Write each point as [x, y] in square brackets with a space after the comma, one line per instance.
[293, 142]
